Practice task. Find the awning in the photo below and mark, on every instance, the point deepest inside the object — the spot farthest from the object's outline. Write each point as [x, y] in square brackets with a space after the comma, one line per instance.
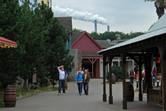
[6, 43]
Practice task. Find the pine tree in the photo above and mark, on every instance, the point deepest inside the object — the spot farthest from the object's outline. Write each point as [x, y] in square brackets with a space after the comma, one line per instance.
[9, 12]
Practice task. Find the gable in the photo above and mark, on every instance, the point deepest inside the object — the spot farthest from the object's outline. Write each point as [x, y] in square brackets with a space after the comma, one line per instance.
[86, 44]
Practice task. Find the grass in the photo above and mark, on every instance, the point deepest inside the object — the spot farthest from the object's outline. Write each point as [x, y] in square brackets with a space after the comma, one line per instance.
[1, 99]
[42, 89]
[24, 92]
[48, 89]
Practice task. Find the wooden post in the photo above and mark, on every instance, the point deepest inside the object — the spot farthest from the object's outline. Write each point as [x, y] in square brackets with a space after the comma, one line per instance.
[110, 80]
[104, 83]
[140, 79]
[162, 51]
[148, 76]
[123, 58]
[92, 62]
[92, 71]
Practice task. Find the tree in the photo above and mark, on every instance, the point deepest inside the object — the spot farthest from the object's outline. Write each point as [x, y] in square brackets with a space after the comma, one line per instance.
[43, 18]
[77, 30]
[113, 35]
[160, 6]
[41, 42]
[57, 55]
[55, 44]
[9, 12]
[95, 35]
[30, 39]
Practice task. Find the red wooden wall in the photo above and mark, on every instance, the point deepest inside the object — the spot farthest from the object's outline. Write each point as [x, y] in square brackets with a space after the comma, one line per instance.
[97, 70]
[86, 44]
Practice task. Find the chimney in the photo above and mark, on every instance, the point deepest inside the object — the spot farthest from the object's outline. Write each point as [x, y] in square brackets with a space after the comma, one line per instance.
[108, 28]
[95, 26]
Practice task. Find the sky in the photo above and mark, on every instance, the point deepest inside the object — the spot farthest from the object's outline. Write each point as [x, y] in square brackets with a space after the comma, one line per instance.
[121, 15]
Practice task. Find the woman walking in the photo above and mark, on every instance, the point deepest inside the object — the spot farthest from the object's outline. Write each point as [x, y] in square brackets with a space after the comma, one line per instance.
[131, 75]
[79, 80]
[86, 79]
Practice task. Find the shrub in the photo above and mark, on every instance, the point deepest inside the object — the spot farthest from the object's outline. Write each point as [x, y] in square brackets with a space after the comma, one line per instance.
[117, 71]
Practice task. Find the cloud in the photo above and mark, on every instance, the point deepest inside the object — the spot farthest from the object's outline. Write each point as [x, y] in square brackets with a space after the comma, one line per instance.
[80, 15]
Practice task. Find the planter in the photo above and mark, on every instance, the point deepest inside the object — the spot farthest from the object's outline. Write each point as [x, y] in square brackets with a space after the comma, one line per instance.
[10, 96]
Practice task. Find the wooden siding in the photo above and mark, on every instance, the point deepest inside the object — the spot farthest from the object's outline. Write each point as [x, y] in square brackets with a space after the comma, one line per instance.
[86, 44]
[97, 70]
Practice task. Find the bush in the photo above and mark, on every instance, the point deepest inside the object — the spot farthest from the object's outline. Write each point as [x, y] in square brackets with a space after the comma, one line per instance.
[117, 71]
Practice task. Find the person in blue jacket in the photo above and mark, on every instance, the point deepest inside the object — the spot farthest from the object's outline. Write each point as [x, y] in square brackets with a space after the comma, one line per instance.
[79, 80]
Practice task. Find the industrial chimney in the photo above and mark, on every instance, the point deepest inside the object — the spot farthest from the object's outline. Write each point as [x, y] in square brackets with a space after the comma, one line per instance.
[108, 28]
[95, 26]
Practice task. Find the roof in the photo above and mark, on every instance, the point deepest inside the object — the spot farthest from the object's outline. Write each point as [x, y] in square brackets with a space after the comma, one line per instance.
[90, 54]
[119, 41]
[158, 28]
[75, 36]
[7, 43]
[66, 22]
[103, 43]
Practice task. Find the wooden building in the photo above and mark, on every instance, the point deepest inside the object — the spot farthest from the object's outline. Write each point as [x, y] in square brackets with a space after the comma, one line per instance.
[88, 48]
[67, 24]
[142, 49]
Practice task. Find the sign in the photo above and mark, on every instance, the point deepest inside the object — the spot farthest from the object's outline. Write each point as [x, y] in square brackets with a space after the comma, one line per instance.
[34, 78]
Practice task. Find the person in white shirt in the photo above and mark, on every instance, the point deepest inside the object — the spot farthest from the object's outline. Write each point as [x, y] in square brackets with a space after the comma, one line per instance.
[62, 77]
[80, 69]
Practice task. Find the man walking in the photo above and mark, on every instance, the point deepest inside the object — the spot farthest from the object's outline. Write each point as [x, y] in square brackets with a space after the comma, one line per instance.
[62, 77]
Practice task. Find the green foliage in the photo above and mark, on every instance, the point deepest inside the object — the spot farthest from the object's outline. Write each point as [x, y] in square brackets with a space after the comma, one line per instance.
[117, 71]
[77, 30]
[160, 6]
[1, 99]
[24, 91]
[112, 35]
[40, 38]
[9, 12]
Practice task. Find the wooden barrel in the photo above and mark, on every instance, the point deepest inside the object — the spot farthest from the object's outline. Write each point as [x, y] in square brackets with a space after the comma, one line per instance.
[129, 92]
[10, 96]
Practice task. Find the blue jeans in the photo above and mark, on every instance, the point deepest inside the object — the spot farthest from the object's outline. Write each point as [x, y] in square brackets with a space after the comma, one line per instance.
[61, 85]
[79, 87]
[86, 86]
[131, 80]
[154, 79]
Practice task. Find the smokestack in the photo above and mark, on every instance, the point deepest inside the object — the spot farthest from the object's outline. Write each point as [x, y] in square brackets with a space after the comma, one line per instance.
[95, 26]
[108, 28]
